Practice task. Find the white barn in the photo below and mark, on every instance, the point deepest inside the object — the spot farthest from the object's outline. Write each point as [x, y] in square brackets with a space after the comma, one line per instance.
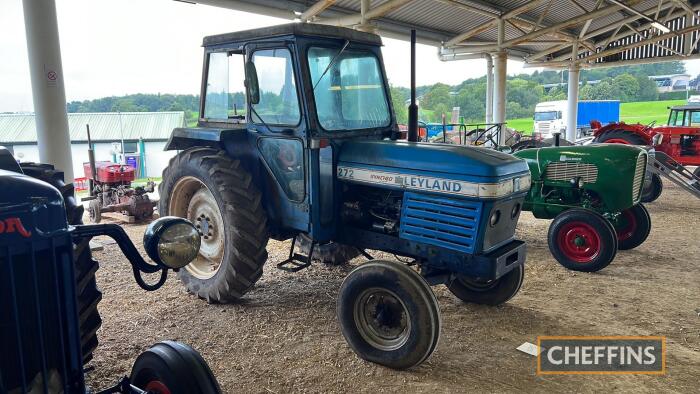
[107, 131]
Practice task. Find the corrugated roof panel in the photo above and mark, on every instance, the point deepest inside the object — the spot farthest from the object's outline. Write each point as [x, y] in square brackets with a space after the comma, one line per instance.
[110, 126]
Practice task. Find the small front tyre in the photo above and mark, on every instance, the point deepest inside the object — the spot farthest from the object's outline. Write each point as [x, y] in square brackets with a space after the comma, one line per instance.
[632, 227]
[173, 368]
[652, 188]
[389, 314]
[582, 240]
[488, 292]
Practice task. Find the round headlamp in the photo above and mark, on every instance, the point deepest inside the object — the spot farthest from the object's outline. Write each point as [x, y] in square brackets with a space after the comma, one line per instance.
[172, 242]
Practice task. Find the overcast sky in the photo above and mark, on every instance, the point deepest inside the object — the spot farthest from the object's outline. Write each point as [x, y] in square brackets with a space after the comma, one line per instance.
[118, 47]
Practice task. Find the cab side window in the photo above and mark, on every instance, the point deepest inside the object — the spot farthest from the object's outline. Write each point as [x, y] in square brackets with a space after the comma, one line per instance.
[694, 118]
[278, 104]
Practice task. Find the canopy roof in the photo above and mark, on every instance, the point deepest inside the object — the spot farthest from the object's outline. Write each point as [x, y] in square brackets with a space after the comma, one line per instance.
[542, 33]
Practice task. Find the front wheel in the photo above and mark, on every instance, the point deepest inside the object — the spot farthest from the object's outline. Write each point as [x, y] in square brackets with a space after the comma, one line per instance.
[582, 240]
[389, 314]
[632, 226]
[488, 292]
[173, 368]
[652, 188]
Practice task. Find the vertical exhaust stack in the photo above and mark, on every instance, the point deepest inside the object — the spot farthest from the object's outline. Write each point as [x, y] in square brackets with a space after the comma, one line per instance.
[413, 108]
[91, 158]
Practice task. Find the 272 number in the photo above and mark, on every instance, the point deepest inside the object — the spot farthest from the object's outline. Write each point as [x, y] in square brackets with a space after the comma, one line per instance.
[345, 172]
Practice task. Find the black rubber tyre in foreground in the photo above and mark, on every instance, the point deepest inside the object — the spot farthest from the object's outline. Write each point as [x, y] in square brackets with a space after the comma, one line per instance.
[582, 240]
[632, 227]
[218, 195]
[389, 314]
[331, 253]
[652, 189]
[173, 368]
[488, 292]
[85, 267]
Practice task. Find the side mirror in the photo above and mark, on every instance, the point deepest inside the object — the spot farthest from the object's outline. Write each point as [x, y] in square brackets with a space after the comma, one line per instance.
[251, 82]
[172, 242]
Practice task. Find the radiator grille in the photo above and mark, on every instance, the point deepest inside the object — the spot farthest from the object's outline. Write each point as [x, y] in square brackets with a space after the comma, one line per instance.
[639, 176]
[567, 170]
[38, 322]
[439, 221]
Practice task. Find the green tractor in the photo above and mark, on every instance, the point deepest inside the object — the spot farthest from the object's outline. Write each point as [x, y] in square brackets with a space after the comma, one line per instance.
[593, 194]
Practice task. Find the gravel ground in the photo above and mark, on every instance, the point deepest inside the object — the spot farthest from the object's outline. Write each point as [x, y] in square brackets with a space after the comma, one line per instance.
[284, 337]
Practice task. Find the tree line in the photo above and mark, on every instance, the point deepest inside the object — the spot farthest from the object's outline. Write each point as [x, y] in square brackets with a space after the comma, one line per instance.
[523, 92]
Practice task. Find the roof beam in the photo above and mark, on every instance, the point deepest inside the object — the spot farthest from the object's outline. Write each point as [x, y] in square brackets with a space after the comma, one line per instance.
[376, 12]
[315, 9]
[571, 22]
[558, 65]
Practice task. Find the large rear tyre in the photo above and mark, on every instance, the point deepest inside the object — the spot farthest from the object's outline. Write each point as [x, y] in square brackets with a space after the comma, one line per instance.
[173, 368]
[652, 189]
[582, 240]
[632, 227]
[621, 137]
[488, 292]
[218, 195]
[389, 314]
[85, 267]
[331, 253]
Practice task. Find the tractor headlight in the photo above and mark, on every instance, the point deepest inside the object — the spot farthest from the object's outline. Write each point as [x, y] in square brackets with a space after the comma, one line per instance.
[657, 139]
[172, 242]
[504, 188]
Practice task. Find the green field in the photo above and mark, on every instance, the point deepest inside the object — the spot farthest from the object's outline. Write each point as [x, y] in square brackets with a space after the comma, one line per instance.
[642, 112]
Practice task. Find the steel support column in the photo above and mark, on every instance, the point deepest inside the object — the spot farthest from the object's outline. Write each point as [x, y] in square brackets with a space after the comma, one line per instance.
[489, 88]
[499, 90]
[48, 90]
[572, 103]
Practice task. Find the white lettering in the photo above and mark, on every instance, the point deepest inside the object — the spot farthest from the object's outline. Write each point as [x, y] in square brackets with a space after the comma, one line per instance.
[568, 355]
[598, 353]
[550, 353]
[636, 354]
[650, 356]
[586, 355]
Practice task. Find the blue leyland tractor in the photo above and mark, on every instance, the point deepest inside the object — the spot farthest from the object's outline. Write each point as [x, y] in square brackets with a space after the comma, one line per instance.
[297, 139]
[48, 293]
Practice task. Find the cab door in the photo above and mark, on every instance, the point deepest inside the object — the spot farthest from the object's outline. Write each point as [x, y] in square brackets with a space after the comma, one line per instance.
[277, 128]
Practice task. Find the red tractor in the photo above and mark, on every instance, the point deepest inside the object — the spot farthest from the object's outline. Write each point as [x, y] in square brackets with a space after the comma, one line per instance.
[679, 141]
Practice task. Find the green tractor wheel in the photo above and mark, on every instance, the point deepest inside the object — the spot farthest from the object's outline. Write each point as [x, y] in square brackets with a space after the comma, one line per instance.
[582, 240]
[632, 227]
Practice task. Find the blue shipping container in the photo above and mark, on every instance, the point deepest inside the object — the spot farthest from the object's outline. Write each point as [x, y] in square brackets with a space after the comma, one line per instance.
[604, 111]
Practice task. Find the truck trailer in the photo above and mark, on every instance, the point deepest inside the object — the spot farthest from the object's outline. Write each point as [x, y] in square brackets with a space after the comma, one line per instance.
[551, 116]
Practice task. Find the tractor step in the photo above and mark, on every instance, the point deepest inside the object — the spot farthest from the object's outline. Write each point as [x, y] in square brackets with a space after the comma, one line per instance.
[664, 165]
[296, 261]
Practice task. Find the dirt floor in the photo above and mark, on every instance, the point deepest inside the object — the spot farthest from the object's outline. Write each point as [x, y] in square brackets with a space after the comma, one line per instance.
[284, 337]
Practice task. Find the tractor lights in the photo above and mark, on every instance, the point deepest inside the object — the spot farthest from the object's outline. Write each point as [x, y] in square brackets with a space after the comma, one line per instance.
[656, 139]
[172, 242]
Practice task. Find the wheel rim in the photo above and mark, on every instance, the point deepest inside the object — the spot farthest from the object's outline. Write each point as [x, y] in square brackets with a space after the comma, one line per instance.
[157, 387]
[628, 225]
[382, 319]
[191, 199]
[616, 141]
[579, 242]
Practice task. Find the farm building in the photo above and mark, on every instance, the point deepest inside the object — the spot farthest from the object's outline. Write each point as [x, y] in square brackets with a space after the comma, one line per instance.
[108, 130]
[671, 83]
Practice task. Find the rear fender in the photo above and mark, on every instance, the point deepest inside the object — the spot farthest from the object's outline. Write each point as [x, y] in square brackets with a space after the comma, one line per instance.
[638, 129]
[185, 137]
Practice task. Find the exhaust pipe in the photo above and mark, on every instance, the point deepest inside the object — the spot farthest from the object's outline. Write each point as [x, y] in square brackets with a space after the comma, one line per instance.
[413, 108]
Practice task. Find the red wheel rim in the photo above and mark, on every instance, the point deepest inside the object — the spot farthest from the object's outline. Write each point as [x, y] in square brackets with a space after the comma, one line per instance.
[630, 226]
[579, 242]
[617, 141]
[158, 387]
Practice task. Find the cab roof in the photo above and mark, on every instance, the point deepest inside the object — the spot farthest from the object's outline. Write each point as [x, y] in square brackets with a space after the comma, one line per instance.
[294, 29]
[686, 107]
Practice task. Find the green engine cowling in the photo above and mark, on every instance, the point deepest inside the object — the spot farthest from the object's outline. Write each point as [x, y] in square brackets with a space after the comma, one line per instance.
[607, 178]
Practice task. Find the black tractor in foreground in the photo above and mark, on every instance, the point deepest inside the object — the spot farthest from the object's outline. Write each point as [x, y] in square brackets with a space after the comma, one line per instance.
[48, 293]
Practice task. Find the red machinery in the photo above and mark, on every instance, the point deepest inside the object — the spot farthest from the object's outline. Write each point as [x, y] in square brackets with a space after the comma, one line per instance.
[110, 190]
[676, 144]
